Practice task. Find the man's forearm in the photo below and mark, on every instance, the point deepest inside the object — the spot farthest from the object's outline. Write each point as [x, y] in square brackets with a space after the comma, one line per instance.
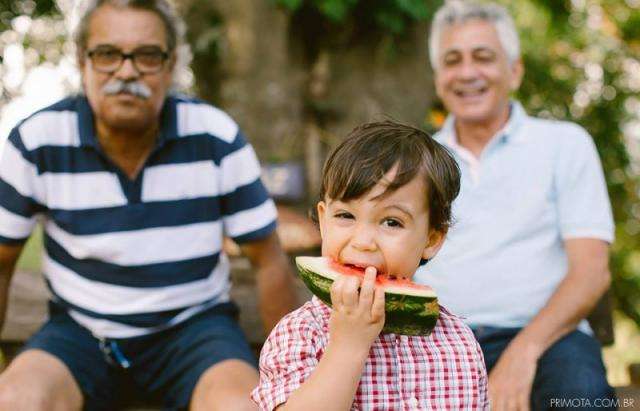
[274, 278]
[572, 301]
[276, 291]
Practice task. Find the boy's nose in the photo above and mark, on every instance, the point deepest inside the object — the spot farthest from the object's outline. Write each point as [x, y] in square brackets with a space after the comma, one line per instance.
[363, 238]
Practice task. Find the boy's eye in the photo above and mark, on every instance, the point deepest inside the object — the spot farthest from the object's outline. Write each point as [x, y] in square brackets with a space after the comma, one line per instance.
[343, 214]
[392, 222]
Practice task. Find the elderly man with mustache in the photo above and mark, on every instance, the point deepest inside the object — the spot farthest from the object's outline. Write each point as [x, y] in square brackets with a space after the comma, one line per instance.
[135, 189]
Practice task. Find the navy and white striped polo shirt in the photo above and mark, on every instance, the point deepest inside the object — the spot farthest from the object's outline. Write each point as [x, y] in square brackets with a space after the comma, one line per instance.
[130, 257]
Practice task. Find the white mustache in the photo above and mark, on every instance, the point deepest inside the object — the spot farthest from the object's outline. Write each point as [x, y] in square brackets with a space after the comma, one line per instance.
[135, 88]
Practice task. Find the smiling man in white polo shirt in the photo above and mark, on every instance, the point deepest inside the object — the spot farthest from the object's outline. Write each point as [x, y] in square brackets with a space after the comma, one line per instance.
[527, 258]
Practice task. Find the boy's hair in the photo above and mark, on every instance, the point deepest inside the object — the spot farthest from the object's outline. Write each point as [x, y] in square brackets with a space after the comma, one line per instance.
[372, 149]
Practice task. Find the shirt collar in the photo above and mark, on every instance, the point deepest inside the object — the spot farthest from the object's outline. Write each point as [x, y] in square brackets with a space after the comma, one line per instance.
[509, 133]
[86, 125]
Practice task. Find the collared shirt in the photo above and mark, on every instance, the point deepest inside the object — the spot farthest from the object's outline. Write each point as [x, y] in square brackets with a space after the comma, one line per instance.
[444, 371]
[128, 257]
[536, 184]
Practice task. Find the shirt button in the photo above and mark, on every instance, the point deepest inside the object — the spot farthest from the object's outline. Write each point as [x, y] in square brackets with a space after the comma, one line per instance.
[412, 403]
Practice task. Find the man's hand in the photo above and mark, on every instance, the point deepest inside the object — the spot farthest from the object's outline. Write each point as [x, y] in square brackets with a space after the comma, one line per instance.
[356, 319]
[587, 279]
[511, 379]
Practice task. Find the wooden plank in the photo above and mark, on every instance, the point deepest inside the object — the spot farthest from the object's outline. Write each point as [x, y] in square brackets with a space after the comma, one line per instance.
[628, 398]
[28, 303]
[634, 374]
[601, 320]
[27, 308]
[244, 293]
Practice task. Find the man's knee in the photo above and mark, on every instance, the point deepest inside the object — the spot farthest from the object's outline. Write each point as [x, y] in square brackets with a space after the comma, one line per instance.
[19, 396]
[226, 386]
[36, 382]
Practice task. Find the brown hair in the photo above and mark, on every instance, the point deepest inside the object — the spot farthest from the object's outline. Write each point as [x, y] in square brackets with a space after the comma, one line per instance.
[372, 149]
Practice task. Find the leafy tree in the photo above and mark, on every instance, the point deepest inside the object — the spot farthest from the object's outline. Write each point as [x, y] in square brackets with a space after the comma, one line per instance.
[582, 62]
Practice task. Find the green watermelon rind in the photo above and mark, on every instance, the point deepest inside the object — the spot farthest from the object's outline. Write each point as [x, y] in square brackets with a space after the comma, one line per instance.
[404, 314]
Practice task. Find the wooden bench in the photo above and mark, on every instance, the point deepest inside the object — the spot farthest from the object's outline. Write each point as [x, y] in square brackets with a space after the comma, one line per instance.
[27, 311]
[27, 307]
[28, 295]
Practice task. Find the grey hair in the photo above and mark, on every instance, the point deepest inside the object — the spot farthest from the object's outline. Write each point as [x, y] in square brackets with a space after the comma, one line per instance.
[174, 26]
[457, 11]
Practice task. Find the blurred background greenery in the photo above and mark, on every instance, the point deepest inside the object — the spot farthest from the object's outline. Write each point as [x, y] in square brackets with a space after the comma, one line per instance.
[298, 74]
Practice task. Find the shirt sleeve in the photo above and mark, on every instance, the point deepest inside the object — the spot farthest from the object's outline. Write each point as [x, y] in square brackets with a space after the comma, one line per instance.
[483, 380]
[248, 212]
[18, 193]
[584, 210]
[287, 359]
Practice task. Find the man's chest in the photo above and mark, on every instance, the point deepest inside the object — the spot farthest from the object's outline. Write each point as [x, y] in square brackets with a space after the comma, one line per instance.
[94, 195]
[515, 185]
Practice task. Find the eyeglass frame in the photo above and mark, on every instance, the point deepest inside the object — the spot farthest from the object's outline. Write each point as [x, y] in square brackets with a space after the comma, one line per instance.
[127, 56]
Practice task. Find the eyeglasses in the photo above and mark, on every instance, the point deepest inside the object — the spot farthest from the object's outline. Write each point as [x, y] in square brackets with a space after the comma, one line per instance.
[147, 60]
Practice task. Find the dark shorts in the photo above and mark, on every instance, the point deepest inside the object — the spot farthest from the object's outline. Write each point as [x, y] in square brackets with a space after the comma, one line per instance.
[163, 368]
[570, 374]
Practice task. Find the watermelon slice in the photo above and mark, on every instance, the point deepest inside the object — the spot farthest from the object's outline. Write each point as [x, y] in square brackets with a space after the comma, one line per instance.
[410, 309]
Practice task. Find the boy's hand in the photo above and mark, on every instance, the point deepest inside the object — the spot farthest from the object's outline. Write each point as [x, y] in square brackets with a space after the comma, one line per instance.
[356, 320]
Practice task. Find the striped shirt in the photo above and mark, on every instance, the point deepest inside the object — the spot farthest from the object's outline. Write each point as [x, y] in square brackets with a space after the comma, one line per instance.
[442, 371]
[129, 257]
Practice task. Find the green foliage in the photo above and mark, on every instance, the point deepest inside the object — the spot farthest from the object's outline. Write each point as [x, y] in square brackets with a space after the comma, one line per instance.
[397, 14]
[579, 58]
[335, 10]
[11, 8]
[35, 28]
[290, 4]
[580, 64]
[388, 15]
[582, 61]
[630, 27]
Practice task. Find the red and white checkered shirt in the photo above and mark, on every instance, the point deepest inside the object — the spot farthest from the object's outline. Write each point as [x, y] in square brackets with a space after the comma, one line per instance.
[444, 371]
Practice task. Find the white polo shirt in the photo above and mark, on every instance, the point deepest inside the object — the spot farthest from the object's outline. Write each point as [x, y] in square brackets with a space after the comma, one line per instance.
[537, 183]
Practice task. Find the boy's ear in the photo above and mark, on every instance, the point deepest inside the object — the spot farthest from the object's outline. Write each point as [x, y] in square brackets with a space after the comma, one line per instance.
[435, 241]
[321, 208]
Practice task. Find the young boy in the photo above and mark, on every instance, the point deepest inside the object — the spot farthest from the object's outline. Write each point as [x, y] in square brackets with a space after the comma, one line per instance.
[385, 205]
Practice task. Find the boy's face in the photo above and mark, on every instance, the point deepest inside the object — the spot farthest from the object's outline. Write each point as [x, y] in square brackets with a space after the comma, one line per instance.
[390, 233]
